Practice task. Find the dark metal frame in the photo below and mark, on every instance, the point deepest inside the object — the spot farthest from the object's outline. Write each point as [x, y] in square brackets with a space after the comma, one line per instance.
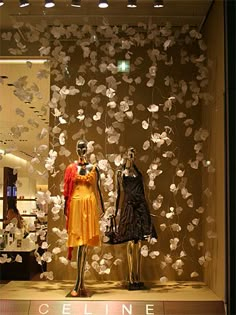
[230, 101]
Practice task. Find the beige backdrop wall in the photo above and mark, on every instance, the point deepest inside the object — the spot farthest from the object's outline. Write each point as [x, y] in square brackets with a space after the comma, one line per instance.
[158, 107]
[214, 116]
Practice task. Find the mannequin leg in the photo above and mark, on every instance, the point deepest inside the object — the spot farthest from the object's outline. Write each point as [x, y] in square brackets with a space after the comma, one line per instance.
[130, 258]
[138, 283]
[138, 261]
[79, 289]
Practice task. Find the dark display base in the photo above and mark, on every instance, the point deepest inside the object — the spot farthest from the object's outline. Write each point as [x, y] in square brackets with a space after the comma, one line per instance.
[25, 270]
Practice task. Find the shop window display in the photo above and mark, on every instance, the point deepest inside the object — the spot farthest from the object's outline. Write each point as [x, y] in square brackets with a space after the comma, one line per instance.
[158, 109]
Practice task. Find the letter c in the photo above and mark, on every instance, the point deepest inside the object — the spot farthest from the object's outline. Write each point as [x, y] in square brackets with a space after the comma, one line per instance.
[41, 309]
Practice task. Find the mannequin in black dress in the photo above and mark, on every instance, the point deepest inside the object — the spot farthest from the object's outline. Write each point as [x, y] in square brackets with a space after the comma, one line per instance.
[135, 221]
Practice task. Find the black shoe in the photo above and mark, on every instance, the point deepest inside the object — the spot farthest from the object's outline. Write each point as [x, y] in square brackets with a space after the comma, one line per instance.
[132, 286]
[141, 286]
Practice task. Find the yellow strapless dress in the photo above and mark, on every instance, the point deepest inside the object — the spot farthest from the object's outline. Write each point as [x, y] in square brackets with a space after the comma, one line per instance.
[83, 225]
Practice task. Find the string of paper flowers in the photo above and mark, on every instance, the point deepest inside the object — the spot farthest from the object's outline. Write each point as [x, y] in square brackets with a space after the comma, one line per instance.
[159, 99]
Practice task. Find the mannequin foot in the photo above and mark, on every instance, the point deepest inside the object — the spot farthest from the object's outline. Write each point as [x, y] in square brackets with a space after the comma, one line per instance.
[84, 292]
[74, 293]
[132, 286]
[141, 286]
[136, 286]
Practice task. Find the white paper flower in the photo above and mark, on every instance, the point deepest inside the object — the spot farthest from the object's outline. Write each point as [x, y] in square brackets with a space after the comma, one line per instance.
[18, 258]
[188, 131]
[178, 210]
[190, 227]
[163, 226]
[146, 145]
[145, 124]
[80, 81]
[154, 254]
[163, 279]
[194, 274]
[178, 264]
[63, 260]
[201, 260]
[44, 245]
[152, 240]
[211, 234]
[209, 219]
[95, 257]
[195, 221]
[150, 82]
[110, 93]
[129, 114]
[185, 193]
[173, 188]
[47, 257]
[62, 120]
[97, 116]
[153, 108]
[168, 259]
[144, 251]
[174, 243]
[117, 262]
[194, 164]
[108, 256]
[81, 115]
[167, 105]
[118, 160]
[56, 250]
[176, 227]
[101, 89]
[138, 80]
[62, 140]
[74, 265]
[103, 165]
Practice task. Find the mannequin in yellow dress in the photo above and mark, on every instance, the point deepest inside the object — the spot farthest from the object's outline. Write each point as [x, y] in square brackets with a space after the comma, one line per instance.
[82, 200]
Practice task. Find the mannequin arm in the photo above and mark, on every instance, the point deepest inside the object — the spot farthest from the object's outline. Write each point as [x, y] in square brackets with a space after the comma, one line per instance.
[99, 190]
[118, 180]
[65, 206]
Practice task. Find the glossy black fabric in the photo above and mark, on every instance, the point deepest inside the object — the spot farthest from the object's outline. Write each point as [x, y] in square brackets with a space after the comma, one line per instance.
[135, 220]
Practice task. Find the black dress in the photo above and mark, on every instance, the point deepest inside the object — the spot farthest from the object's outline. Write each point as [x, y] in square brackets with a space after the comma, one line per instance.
[135, 220]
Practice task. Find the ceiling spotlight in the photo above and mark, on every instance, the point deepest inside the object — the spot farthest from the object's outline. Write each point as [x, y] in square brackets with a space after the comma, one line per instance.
[1, 3]
[49, 3]
[75, 3]
[132, 4]
[158, 3]
[24, 3]
[103, 4]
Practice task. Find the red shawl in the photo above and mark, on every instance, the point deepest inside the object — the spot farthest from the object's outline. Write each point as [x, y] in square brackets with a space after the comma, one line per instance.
[69, 179]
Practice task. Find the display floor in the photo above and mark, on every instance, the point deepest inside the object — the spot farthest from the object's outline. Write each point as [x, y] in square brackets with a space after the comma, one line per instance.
[108, 298]
[110, 291]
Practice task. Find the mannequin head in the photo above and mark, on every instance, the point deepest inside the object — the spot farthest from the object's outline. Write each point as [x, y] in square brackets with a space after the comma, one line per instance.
[81, 150]
[131, 153]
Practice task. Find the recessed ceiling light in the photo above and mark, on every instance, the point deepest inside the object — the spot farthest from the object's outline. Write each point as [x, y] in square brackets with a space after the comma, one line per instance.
[75, 3]
[49, 3]
[1, 3]
[24, 3]
[132, 4]
[103, 4]
[158, 4]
